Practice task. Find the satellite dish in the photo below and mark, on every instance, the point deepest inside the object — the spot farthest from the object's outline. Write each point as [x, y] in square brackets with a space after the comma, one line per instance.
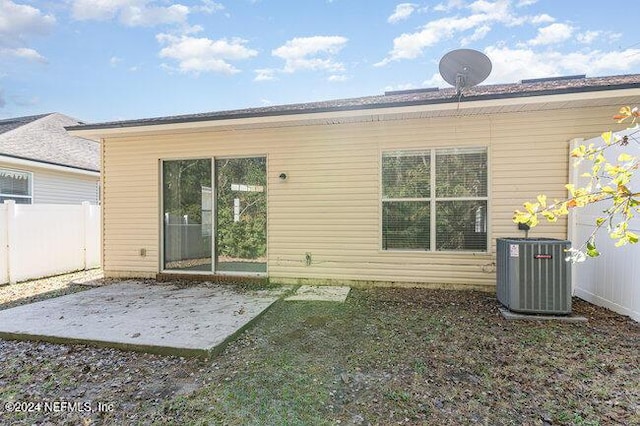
[464, 68]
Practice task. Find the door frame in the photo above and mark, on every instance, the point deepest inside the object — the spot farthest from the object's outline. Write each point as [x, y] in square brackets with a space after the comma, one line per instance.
[214, 220]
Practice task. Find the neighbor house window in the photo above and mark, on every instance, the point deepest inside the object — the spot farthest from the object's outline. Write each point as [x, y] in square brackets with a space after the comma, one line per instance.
[15, 185]
[435, 199]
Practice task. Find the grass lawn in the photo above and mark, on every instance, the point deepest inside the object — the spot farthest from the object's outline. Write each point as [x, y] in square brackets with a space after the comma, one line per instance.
[386, 356]
[420, 357]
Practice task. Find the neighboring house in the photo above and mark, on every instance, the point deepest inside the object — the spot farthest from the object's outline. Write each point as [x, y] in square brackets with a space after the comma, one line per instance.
[406, 188]
[40, 163]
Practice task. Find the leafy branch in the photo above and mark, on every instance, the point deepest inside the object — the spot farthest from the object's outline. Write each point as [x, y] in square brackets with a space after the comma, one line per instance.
[609, 183]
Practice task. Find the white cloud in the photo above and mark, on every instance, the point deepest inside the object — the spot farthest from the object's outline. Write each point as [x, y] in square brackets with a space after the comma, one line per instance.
[411, 45]
[483, 6]
[542, 19]
[436, 80]
[397, 87]
[23, 53]
[311, 53]
[588, 37]
[449, 5]
[151, 16]
[196, 55]
[478, 34]
[209, 6]
[19, 22]
[510, 65]
[523, 3]
[130, 12]
[265, 74]
[554, 33]
[484, 14]
[101, 10]
[338, 78]
[402, 12]
[114, 61]
[28, 53]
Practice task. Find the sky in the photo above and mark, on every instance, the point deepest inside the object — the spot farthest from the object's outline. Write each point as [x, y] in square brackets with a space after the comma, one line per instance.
[105, 60]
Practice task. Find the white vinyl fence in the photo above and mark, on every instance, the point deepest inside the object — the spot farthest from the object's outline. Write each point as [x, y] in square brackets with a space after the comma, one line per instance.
[612, 279]
[39, 240]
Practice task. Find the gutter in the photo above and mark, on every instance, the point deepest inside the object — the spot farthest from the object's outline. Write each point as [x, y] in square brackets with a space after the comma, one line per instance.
[288, 110]
[26, 162]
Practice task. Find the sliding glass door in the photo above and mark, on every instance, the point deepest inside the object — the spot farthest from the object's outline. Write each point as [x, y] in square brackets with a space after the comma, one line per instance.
[187, 215]
[220, 227]
[241, 214]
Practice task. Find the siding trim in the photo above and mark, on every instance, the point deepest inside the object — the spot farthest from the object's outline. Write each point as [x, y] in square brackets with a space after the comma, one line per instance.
[25, 162]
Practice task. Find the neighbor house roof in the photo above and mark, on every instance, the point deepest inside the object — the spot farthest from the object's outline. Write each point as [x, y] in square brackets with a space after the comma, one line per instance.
[43, 139]
[524, 89]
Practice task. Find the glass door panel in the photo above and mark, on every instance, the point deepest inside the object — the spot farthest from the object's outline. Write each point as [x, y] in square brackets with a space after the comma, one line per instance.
[187, 221]
[241, 215]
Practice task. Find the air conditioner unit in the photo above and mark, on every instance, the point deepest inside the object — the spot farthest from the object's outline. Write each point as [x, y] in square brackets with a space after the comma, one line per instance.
[533, 275]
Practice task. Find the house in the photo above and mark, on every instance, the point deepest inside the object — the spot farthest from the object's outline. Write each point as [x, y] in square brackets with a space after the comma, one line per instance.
[40, 163]
[409, 188]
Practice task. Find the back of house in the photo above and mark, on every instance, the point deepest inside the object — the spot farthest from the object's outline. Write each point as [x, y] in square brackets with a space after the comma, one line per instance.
[407, 188]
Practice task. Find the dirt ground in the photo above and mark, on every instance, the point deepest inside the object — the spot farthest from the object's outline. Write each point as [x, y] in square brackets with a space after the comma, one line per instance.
[386, 356]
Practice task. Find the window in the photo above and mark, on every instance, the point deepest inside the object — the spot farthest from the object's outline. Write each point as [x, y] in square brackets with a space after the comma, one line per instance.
[435, 200]
[15, 185]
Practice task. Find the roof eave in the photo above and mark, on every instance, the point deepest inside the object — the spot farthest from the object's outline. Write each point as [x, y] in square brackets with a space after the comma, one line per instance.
[29, 162]
[98, 131]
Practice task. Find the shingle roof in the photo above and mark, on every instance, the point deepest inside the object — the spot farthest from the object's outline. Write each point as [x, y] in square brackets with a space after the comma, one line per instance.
[43, 138]
[526, 88]
[13, 123]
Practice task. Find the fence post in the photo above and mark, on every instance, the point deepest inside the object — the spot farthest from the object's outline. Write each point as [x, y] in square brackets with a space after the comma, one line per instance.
[86, 220]
[572, 220]
[11, 239]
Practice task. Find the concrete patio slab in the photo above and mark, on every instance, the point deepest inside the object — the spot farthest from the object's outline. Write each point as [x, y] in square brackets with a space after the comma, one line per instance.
[321, 293]
[157, 318]
[510, 315]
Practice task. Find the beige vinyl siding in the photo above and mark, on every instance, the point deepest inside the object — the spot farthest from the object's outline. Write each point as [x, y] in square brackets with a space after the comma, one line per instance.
[330, 205]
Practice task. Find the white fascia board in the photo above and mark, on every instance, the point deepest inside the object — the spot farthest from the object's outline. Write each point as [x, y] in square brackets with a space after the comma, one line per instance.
[544, 101]
[20, 162]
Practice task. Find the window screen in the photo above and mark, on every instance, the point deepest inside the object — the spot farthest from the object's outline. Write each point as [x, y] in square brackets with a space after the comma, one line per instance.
[457, 225]
[406, 225]
[15, 185]
[461, 179]
[452, 219]
[406, 175]
[461, 173]
[406, 206]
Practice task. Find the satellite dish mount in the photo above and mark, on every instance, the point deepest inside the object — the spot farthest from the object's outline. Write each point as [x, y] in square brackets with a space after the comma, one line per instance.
[463, 68]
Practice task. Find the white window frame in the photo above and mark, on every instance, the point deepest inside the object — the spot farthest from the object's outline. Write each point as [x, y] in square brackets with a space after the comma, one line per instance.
[30, 181]
[433, 199]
